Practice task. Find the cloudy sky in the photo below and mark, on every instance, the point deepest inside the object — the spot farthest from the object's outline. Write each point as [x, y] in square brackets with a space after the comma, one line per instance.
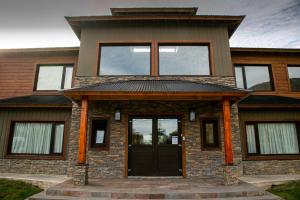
[41, 23]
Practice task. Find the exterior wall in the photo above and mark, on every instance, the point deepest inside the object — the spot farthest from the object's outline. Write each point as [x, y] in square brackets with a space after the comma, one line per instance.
[17, 71]
[29, 165]
[278, 62]
[155, 31]
[254, 167]
[111, 163]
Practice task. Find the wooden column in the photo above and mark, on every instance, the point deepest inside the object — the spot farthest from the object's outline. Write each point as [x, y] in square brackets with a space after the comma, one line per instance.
[83, 130]
[227, 131]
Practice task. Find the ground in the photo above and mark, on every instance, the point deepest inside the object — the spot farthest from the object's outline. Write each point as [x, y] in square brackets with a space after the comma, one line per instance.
[16, 190]
[288, 191]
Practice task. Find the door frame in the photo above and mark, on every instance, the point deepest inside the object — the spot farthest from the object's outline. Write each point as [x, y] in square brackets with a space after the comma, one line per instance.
[183, 144]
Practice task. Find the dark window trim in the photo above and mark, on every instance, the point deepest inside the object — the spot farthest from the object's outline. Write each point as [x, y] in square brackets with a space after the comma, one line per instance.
[290, 85]
[210, 59]
[258, 156]
[242, 66]
[106, 145]
[63, 75]
[111, 44]
[51, 156]
[217, 143]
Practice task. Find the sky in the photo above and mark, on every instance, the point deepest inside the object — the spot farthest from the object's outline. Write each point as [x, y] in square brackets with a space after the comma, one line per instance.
[41, 23]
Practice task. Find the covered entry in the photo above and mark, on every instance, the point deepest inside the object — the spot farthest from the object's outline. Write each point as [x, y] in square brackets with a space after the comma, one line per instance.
[154, 146]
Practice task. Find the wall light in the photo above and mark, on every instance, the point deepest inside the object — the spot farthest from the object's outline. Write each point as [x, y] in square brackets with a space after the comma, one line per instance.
[192, 115]
[118, 114]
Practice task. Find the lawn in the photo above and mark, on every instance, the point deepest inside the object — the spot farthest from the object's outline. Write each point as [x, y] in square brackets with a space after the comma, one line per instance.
[16, 190]
[288, 191]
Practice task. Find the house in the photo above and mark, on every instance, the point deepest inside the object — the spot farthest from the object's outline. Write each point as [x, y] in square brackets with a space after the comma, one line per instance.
[150, 92]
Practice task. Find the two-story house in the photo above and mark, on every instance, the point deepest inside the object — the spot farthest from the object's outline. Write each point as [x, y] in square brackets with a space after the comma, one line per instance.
[150, 92]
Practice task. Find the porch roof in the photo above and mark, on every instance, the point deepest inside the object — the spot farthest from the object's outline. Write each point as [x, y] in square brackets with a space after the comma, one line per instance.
[139, 89]
[269, 101]
[37, 101]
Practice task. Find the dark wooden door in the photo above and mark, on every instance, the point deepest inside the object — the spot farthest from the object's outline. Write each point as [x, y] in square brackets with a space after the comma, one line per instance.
[154, 146]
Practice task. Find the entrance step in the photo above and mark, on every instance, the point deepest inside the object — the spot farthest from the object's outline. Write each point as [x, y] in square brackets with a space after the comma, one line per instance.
[154, 189]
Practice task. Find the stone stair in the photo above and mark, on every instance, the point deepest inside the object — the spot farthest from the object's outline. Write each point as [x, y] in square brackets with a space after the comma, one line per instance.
[154, 189]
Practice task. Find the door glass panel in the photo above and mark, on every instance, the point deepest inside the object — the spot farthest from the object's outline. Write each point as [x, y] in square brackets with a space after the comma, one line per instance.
[142, 131]
[167, 131]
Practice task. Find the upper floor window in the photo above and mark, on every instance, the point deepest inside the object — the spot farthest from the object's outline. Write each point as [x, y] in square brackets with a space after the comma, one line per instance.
[125, 59]
[54, 77]
[183, 60]
[254, 77]
[294, 76]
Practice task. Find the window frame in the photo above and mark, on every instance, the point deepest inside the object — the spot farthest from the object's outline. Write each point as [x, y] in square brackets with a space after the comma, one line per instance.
[62, 84]
[289, 80]
[106, 145]
[210, 60]
[257, 155]
[51, 156]
[244, 78]
[217, 136]
[108, 44]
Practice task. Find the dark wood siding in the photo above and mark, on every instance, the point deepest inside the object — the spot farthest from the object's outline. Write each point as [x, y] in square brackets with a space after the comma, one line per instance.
[217, 35]
[278, 62]
[38, 114]
[17, 72]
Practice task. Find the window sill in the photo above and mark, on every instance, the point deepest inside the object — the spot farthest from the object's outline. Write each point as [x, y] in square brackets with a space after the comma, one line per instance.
[272, 157]
[35, 157]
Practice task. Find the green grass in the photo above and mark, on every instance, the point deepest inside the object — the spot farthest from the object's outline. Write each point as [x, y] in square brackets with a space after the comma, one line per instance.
[288, 191]
[16, 190]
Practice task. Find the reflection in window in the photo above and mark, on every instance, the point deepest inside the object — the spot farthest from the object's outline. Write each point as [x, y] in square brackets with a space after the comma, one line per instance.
[184, 60]
[168, 131]
[142, 131]
[99, 133]
[54, 77]
[273, 138]
[125, 60]
[253, 77]
[294, 76]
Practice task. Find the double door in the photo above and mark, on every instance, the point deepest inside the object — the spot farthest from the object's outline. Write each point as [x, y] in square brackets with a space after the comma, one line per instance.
[154, 146]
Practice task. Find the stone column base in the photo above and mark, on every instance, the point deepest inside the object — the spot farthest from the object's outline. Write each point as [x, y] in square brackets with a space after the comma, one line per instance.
[231, 174]
[80, 175]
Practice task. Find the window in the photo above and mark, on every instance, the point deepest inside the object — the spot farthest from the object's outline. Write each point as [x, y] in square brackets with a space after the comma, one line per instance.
[272, 138]
[210, 133]
[37, 138]
[54, 77]
[294, 76]
[184, 60]
[125, 60]
[99, 136]
[252, 77]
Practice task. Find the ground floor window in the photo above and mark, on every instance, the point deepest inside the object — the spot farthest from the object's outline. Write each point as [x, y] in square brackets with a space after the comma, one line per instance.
[38, 138]
[272, 138]
[210, 134]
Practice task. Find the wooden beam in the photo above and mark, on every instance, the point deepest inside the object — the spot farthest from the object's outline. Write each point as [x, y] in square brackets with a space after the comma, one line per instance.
[227, 131]
[83, 130]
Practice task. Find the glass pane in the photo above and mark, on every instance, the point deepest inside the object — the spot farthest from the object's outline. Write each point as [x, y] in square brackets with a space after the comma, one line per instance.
[258, 78]
[184, 60]
[278, 138]
[49, 78]
[31, 138]
[209, 134]
[58, 138]
[168, 131]
[142, 131]
[68, 78]
[251, 143]
[125, 60]
[294, 76]
[239, 77]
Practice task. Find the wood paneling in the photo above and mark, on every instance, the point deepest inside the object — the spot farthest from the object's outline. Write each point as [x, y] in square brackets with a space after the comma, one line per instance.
[30, 114]
[278, 61]
[17, 71]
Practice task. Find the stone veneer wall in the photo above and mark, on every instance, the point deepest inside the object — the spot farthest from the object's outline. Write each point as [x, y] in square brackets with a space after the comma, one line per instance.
[111, 163]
